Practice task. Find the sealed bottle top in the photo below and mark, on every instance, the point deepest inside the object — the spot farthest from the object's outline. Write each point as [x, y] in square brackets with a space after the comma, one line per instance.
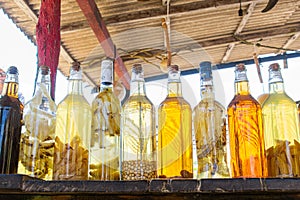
[240, 73]
[107, 71]
[205, 71]
[137, 73]
[12, 75]
[75, 71]
[274, 73]
[173, 73]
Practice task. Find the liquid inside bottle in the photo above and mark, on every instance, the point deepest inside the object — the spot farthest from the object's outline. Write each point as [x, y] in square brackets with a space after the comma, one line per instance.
[11, 111]
[37, 141]
[105, 140]
[175, 153]
[73, 131]
[247, 151]
[138, 143]
[281, 125]
[210, 130]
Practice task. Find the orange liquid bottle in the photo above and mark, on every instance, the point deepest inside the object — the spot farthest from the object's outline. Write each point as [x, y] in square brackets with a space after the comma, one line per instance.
[247, 149]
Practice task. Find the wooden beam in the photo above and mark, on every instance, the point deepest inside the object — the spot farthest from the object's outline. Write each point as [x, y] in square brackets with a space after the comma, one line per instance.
[239, 30]
[34, 18]
[158, 12]
[289, 42]
[94, 18]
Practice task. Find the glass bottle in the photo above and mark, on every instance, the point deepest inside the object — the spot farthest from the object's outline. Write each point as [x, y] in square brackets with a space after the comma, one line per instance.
[11, 111]
[73, 131]
[209, 120]
[281, 126]
[138, 139]
[175, 153]
[37, 141]
[105, 140]
[247, 151]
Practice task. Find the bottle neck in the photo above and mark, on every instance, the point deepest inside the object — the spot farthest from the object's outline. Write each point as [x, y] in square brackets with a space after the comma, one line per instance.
[11, 86]
[277, 87]
[137, 88]
[275, 82]
[207, 92]
[174, 89]
[75, 87]
[43, 86]
[10, 89]
[242, 88]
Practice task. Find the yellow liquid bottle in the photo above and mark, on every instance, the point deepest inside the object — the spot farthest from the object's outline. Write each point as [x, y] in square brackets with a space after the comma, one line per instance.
[105, 140]
[209, 120]
[73, 131]
[281, 125]
[138, 140]
[175, 153]
[247, 151]
[37, 141]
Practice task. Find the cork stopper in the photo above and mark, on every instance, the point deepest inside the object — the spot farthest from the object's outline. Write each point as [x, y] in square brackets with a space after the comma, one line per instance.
[240, 67]
[75, 66]
[274, 67]
[44, 70]
[137, 68]
[205, 71]
[12, 70]
[173, 68]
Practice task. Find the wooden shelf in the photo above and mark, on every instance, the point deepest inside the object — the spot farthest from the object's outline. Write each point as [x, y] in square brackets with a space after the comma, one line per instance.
[24, 187]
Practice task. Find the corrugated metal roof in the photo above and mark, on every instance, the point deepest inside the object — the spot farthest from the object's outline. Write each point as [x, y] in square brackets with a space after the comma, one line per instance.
[200, 30]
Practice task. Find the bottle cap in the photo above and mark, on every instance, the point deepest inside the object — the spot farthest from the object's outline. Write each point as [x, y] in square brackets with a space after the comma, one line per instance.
[240, 73]
[205, 71]
[274, 73]
[75, 71]
[12, 70]
[107, 71]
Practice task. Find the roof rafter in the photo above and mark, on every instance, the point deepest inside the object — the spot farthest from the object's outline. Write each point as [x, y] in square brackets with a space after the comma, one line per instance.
[239, 30]
[94, 18]
[34, 18]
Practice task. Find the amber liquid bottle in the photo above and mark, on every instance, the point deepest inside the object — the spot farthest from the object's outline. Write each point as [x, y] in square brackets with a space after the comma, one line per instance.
[11, 111]
[105, 140]
[138, 139]
[37, 140]
[247, 151]
[281, 129]
[209, 120]
[175, 153]
[72, 132]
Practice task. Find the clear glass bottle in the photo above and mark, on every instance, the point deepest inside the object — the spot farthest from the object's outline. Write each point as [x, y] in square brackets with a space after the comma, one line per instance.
[73, 132]
[247, 151]
[37, 141]
[105, 140]
[209, 120]
[11, 112]
[281, 128]
[175, 153]
[138, 139]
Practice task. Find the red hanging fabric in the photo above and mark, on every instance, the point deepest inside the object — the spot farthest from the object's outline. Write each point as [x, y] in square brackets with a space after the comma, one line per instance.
[48, 38]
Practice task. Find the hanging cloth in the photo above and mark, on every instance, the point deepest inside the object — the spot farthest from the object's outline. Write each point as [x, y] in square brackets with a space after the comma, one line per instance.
[48, 38]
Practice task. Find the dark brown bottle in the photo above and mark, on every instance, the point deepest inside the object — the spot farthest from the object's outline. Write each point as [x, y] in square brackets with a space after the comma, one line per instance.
[11, 110]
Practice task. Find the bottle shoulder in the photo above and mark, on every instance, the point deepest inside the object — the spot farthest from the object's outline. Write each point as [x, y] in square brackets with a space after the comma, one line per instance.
[244, 100]
[74, 99]
[174, 101]
[135, 99]
[279, 98]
